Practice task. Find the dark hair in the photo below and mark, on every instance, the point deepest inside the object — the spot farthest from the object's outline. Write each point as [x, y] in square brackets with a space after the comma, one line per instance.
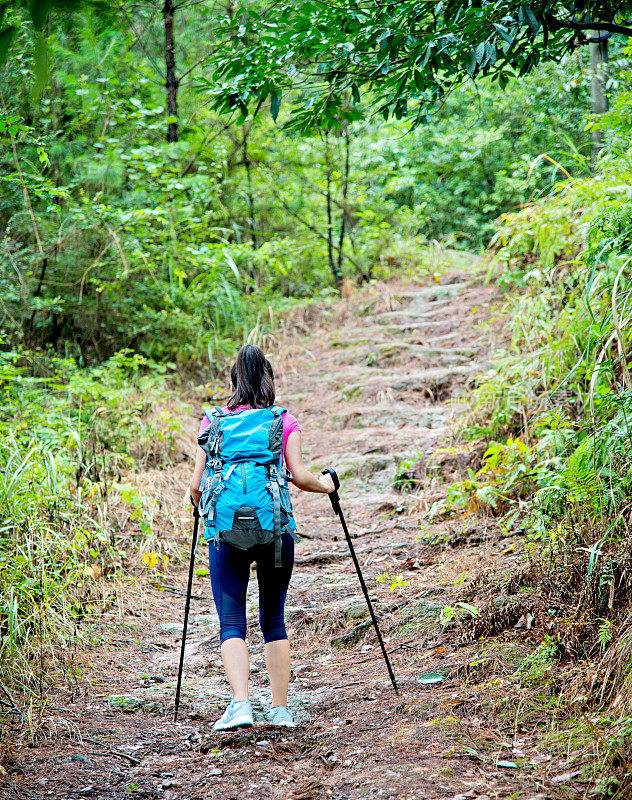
[252, 377]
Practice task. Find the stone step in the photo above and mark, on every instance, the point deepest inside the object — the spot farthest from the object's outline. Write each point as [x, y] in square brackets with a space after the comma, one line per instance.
[434, 380]
[411, 315]
[430, 294]
[394, 346]
[394, 416]
[366, 465]
[391, 353]
[442, 325]
[394, 353]
[473, 345]
[368, 441]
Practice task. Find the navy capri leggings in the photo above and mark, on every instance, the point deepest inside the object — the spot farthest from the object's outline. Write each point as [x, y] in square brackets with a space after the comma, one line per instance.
[230, 570]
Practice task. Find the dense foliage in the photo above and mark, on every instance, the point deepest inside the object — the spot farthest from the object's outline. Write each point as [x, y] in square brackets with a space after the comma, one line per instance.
[404, 55]
[555, 410]
[564, 385]
[120, 239]
[146, 235]
[69, 434]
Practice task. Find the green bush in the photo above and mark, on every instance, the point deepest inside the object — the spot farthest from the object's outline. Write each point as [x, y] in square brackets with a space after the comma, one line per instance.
[68, 435]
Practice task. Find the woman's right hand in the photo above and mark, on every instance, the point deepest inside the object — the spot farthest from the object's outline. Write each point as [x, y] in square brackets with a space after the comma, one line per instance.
[328, 482]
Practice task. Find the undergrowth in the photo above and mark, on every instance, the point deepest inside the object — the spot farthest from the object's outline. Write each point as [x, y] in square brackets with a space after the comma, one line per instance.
[68, 437]
[555, 410]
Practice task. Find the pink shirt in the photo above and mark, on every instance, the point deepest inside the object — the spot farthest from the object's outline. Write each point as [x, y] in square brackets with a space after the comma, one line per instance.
[290, 423]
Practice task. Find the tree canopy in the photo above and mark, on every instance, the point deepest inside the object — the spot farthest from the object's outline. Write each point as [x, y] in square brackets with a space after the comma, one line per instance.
[397, 57]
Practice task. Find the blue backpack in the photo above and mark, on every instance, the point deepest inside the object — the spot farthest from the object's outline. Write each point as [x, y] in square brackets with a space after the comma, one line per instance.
[245, 497]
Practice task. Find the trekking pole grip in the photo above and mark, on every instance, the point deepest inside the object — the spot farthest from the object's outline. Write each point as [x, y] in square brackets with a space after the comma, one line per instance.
[334, 476]
[333, 496]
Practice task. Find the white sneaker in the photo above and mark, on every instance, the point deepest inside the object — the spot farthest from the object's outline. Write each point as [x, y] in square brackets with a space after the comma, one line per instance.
[281, 716]
[237, 715]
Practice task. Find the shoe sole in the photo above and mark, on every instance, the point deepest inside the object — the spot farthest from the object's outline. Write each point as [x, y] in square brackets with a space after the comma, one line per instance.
[239, 722]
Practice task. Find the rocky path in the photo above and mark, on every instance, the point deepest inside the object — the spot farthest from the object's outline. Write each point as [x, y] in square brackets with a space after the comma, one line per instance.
[372, 380]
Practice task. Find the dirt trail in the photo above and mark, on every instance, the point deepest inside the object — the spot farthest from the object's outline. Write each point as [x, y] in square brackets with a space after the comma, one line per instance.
[371, 381]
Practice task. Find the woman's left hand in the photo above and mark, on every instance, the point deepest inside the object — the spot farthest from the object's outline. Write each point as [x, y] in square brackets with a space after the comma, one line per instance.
[328, 483]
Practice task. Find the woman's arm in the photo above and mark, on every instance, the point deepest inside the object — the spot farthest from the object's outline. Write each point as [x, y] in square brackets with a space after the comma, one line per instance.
[301, 476]
[194, 486]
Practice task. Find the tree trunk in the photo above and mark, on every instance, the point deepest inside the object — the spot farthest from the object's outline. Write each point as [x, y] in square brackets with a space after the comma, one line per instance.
[171, 82]
[251, 196]
[345, 192]
[599, 76]
[330, 230]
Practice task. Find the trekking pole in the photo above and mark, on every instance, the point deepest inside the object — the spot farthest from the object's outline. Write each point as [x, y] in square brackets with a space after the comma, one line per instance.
[335, 504]
[196, 515]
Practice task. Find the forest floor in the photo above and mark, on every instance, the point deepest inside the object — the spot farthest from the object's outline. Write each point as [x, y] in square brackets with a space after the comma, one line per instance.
[372, 380]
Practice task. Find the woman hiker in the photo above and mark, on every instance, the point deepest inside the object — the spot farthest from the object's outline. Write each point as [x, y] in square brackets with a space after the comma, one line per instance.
[253, 388]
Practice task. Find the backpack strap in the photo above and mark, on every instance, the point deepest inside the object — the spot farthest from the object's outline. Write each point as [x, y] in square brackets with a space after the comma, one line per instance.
[216, 411]
[276, 475]
[211, 437]
[273, 486]
[209, 501]
[211, 485]
[275, 435]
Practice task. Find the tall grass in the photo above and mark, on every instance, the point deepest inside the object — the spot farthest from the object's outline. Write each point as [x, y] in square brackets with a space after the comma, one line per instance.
[562, 388]
[68, 435]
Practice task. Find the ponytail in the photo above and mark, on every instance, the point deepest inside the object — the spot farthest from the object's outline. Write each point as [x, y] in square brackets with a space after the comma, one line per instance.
[252, 378]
